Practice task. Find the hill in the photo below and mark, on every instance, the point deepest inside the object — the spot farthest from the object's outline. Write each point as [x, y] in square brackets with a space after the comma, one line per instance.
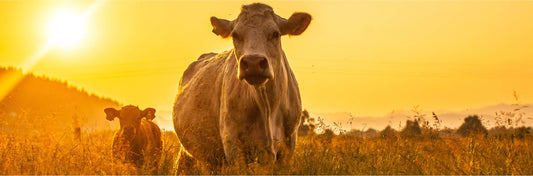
[490, 115]
[42, 102]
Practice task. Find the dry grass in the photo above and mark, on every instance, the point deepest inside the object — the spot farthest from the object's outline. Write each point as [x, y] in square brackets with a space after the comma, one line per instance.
[40, 147]
[46, 152]
[353, 155]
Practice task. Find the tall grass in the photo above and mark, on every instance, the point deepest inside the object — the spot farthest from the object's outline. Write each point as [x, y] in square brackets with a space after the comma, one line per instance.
[355, 155]
[29, 151]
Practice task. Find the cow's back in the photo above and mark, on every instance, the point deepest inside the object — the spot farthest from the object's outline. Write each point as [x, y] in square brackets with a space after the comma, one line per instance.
[196, 109]
[193, 67]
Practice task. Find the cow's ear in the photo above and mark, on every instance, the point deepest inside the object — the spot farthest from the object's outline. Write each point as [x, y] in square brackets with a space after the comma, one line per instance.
[149, 113]
[111, 113]
[296, 24]
[221, 27]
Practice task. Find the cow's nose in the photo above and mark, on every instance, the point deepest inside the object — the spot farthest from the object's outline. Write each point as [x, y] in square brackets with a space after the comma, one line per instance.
[254, 69]
[129, 130]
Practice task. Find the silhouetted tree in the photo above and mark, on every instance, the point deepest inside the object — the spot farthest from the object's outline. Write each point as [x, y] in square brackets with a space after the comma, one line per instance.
[500, 132]
[522, 132]
[328, 133]
[472, 126]
[355, 132]
[411, 129]
[371, 132]
[388, 132]
[307, 124]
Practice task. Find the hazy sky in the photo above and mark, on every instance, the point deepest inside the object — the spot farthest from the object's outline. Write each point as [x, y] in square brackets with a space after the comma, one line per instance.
[364, 57]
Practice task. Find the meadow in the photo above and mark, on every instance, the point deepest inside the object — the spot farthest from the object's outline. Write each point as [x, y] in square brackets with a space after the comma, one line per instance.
[42, 148]
[371, 57]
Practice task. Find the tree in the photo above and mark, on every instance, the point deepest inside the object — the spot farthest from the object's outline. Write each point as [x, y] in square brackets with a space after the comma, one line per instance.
[307, 124]
[388, 132]
[472, 126]
[412, 129]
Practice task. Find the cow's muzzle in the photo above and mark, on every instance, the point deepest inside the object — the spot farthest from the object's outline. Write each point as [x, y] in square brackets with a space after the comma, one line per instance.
[255, 69]
[128, 131]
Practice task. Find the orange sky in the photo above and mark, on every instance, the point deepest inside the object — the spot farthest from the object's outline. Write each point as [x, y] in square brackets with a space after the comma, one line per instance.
[363, 57]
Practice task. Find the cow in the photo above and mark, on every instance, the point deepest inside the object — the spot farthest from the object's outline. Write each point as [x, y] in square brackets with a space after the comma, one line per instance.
[138, 137]
[242, 105]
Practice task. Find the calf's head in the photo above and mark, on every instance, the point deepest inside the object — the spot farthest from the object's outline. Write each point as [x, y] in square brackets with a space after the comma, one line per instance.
[130, 118]
[256, 35]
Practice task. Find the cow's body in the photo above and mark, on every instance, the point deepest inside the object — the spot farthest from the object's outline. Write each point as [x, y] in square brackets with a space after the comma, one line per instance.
[138, 141]
[225, 112]
[213, 95]
[146, 143]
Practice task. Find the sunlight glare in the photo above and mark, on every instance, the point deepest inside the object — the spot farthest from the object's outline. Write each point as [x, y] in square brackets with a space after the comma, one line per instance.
[64, 29]
[67, 28]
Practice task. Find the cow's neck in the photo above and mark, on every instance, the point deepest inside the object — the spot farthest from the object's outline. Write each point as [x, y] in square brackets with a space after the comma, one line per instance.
[263, 101]
[267, 97]
[269, 94]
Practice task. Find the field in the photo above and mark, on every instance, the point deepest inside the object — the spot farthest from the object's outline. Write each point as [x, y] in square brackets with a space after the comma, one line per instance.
[57, 151]
[73, 73]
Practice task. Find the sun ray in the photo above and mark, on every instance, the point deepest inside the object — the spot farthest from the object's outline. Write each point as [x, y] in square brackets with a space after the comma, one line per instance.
[66, 28]
[9, 81]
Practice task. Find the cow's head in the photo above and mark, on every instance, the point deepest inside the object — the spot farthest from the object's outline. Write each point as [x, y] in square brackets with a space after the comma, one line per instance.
[130, 118]
[256, 35]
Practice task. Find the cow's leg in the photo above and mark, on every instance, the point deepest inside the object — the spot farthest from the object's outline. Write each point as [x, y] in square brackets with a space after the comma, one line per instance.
[286, 150]
[153, 159]
[185, 164]
[233, 151]
[214, 168]
[214, 162]
[231, 142]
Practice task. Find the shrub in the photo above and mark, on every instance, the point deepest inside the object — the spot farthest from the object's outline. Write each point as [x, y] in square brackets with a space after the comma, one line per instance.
[411, 129]
[522, 132]
[388, 132]
[371, 132]
[355, 132]
[472, 126]
[307, 124]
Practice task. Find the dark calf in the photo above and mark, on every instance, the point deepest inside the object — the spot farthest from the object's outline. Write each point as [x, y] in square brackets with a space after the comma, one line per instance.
[138, 137]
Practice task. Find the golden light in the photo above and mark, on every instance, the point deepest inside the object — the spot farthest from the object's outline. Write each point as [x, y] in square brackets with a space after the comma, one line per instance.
[67, 28]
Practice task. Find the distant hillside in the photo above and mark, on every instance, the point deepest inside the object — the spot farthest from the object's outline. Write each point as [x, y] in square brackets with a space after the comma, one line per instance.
[39, 100]
[490, 115]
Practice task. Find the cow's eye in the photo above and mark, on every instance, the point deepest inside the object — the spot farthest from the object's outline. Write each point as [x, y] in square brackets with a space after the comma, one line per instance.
[275, 35]
[235, 36]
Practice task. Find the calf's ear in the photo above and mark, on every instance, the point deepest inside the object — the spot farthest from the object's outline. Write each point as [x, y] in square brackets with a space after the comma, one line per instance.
[296, 24]
[111, 113]
[221, 27]
[149, 113]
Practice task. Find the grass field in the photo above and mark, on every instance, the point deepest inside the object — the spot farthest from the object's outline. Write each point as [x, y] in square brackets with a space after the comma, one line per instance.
[24, 151]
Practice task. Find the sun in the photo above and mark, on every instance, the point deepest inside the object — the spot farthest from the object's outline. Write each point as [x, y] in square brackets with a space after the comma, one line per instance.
[67, 28]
